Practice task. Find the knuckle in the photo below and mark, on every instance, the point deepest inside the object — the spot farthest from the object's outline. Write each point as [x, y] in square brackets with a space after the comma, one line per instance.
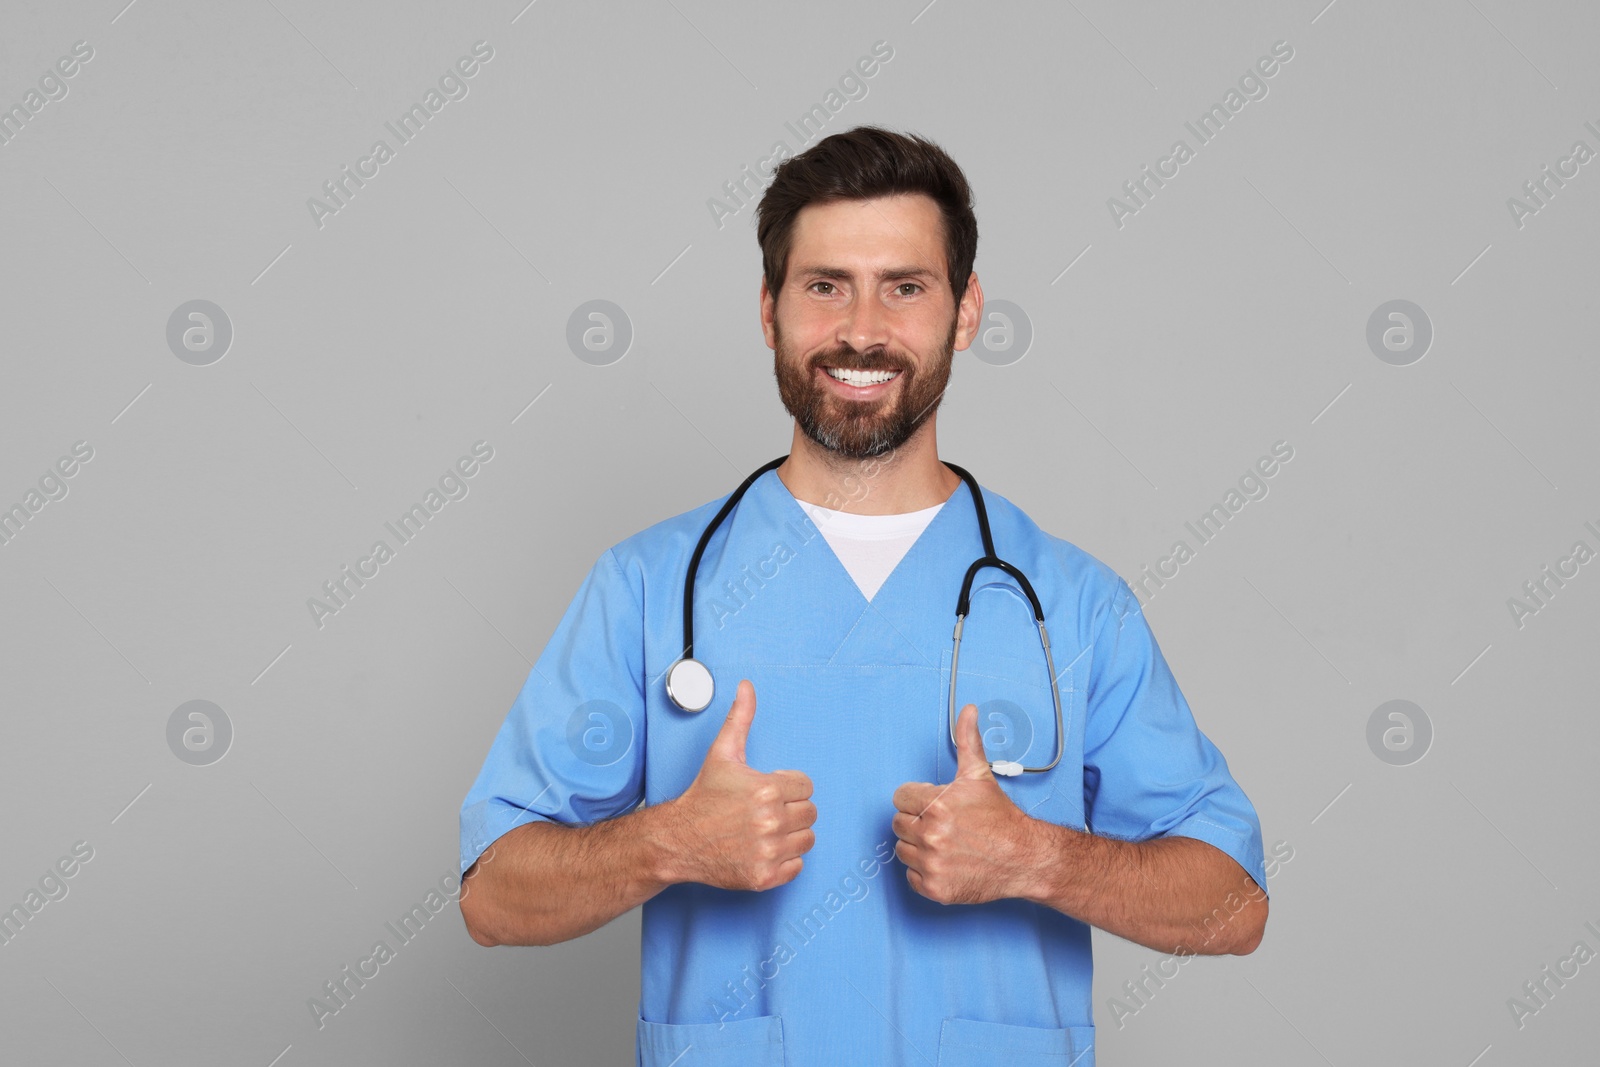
[773, 875]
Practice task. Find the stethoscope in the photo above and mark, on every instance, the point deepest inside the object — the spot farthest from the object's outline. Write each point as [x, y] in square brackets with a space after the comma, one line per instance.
[689, 681]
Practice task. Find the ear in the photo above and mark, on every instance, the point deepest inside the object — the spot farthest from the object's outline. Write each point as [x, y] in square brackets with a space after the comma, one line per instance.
[969, 314]
[769, 314]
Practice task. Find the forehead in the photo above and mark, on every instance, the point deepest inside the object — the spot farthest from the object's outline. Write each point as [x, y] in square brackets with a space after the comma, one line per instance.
[906, 227]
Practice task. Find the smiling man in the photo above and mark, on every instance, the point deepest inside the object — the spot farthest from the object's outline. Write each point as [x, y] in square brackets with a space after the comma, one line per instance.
[863, 876]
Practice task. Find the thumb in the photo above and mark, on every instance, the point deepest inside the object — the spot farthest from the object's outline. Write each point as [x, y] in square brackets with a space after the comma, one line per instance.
[970, 759]
[729, 743]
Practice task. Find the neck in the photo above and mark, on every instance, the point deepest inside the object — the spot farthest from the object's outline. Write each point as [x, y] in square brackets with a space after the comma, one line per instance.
[910, 478]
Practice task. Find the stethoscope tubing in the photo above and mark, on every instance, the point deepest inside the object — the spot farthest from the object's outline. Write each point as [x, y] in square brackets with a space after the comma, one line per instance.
[963, 607]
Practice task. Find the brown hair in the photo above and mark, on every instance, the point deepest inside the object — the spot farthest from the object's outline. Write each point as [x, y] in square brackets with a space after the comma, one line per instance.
[859, 164]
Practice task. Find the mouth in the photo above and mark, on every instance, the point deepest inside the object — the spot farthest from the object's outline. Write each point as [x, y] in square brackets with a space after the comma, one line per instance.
[860, 384]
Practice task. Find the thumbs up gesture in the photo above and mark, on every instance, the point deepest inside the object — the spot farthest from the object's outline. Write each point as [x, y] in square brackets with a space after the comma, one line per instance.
[736, 827]
[966, 842]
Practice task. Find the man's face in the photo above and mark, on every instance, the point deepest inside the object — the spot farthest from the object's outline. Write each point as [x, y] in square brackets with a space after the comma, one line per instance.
[866, 292]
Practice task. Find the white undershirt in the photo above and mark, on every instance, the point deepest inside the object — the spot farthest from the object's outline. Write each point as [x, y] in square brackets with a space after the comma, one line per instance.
[869, 546]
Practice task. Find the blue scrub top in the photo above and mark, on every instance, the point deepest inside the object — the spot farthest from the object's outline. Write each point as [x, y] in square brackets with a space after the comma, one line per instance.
[846, 963]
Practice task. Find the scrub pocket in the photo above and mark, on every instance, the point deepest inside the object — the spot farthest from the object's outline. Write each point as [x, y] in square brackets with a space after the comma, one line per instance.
[753, 1042]
[971, 1043]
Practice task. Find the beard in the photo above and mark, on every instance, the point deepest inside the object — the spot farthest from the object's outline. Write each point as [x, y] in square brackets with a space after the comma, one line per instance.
[861, 429]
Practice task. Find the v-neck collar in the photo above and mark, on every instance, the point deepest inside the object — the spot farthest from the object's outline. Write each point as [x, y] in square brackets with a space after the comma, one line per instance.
[911, 559]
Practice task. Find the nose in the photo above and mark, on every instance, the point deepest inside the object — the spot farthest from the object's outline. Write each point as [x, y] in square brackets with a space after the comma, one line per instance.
[865, 324]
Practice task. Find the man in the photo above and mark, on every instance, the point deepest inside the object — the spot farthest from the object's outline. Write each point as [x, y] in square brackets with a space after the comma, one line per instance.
[834, 880]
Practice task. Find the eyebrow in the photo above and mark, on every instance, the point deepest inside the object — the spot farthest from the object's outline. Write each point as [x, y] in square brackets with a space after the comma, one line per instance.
[890, 272]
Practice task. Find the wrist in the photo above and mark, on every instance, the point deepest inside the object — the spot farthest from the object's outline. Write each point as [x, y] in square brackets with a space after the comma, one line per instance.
[661, 838]
[1056, 862]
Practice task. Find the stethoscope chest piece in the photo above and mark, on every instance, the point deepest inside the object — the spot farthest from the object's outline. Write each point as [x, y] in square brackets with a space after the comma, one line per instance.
[689, 684]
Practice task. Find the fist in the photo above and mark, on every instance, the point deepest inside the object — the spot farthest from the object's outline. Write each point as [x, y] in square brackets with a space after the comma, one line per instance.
[740, 828]
[965, 842]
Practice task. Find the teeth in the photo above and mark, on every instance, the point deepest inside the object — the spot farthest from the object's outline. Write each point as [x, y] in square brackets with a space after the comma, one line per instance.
[860, 377]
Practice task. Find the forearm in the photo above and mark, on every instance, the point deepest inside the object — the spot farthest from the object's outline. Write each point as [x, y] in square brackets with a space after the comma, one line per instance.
[1172, 894]
[544, 883]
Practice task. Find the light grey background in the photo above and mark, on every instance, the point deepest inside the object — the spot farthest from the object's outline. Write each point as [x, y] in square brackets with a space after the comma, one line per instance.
[369, 354]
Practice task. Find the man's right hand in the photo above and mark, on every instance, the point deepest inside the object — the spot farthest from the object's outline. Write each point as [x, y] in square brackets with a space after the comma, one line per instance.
[737, 827]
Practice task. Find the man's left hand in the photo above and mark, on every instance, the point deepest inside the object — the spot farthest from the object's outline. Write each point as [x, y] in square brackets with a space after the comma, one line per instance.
[966, 842]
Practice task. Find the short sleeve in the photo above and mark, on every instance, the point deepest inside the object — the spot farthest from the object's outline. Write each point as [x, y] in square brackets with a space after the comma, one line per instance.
[571, 749]
[1148, 769]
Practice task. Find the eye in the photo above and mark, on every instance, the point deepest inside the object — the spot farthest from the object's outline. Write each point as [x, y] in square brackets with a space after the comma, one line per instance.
[909, 285]
[813, 285]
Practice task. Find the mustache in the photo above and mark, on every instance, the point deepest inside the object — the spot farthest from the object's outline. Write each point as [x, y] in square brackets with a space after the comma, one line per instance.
[850, 359]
